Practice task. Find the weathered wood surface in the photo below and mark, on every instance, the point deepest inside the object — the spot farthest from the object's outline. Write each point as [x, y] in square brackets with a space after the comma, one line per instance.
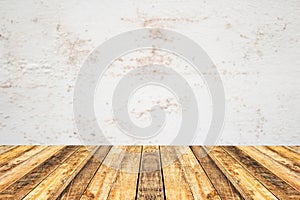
[222, 185]
[150, 185]
[149, 172]
[78, 185]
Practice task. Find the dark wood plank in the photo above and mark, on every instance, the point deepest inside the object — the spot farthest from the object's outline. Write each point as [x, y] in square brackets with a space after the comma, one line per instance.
[276, 185]
[223, 186]
[150, 185]
[54, 184]
[77, 187]
[25, 184]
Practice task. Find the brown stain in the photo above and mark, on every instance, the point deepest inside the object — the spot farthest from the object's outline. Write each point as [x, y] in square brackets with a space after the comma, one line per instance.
[75, 48]
[228, 26]
[146, 21]
[265, 34]
[6, 84]
[157, 34]
[155, 56]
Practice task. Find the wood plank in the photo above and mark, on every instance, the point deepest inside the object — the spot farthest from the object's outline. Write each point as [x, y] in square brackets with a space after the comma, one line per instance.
[105, 176]
[52, 186]
[5, 148]
[150, 185]
[16, 173]
[287, 154]
[25, 184]
[197, 179]
[280, 170]
[287, 162]
[222, 185]
[13, 153]
[248, 186]
[77, 187]
[276, 185]
[294, 148]
[66, 172]
[20, 159]
[176, 186]
[125, 184]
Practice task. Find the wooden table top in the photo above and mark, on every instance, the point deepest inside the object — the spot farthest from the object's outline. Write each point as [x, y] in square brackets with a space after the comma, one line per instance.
[149, 172]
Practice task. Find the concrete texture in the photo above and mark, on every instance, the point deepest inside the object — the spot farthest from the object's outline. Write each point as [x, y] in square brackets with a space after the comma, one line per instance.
[254, 44]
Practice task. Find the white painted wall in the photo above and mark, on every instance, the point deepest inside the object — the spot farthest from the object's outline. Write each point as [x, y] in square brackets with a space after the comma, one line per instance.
[254, 44]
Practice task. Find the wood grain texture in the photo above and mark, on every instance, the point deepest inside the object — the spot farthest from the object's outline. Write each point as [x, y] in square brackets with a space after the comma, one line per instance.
[25, 184]
[246, 184]
[294, 148]
[149, 172]
[77, 187]
[20, 159]
[105, 176]
[288, 154]
[127, 175]
[13, 175]
[176, 185]
[222, 185]
[279, 169]
[150, 185]
[196, 177]
[276, 185]
[13, 153]
[52, 186]
[5, 148]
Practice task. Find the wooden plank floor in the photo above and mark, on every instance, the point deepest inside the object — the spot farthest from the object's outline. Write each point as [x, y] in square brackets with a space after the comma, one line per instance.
[149, 172]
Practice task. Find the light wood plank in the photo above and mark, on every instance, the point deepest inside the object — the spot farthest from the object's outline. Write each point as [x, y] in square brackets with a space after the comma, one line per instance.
[280, 170]
[222, 185]
[25, 184]
[77, 187]
[52, 186]
[13, 153]
[176, 186]
[248, 186]
[294, 148]
[282, 159]
[5, 148]
[276, 185]
[150, 184]
[197, 179]
[287, 154]
[20, 159]
[125, 184]
[105, 176]
[16, 173]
